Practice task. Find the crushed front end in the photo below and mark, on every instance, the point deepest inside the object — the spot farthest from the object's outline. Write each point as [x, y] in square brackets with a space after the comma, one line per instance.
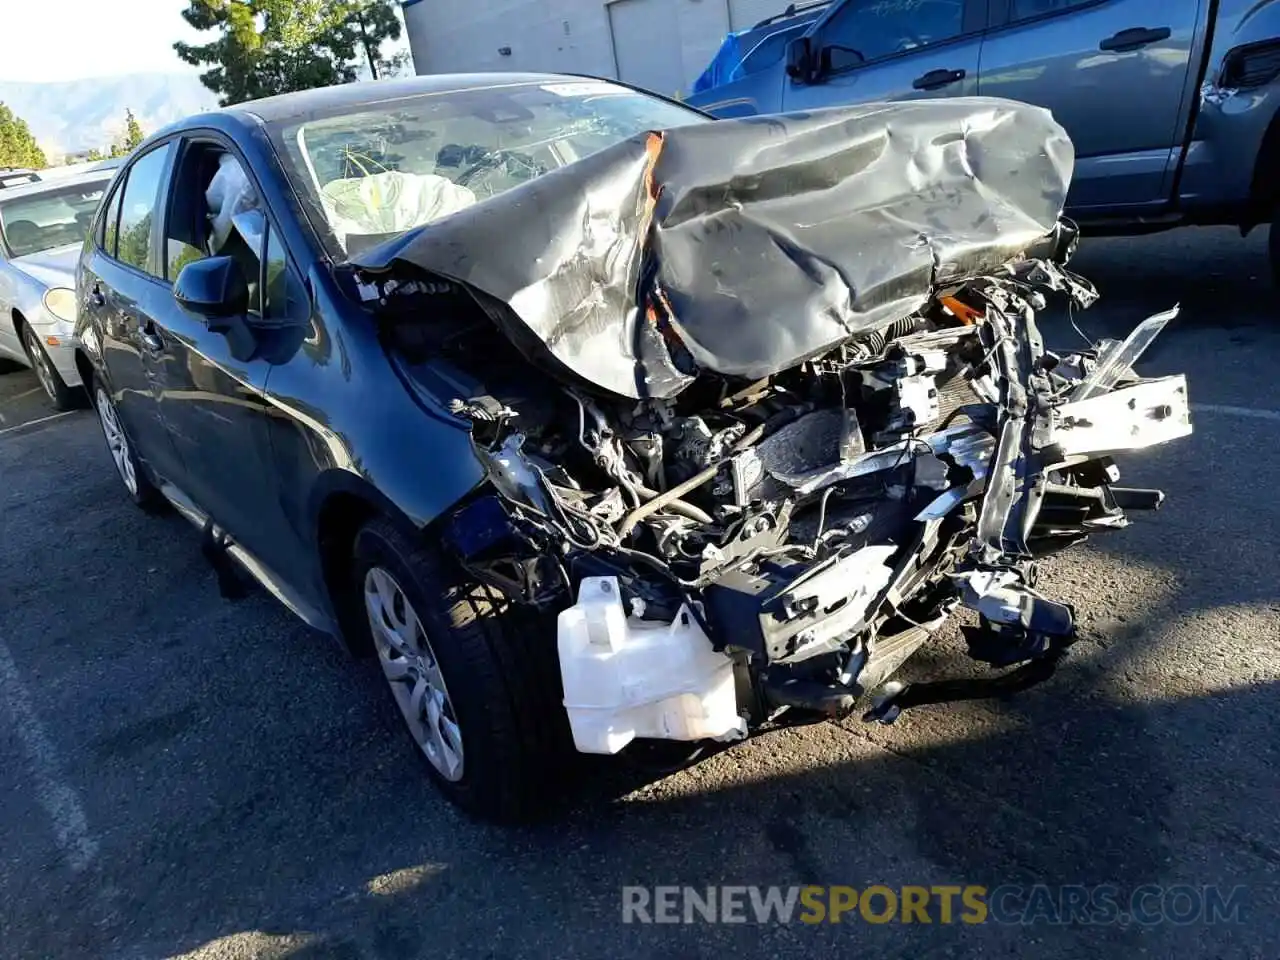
[758, 519]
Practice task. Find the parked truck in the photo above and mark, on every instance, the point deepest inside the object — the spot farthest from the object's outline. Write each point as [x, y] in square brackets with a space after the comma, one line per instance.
[1173, 105]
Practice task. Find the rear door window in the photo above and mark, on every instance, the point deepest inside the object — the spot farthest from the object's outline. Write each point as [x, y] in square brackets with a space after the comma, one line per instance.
[138, 209]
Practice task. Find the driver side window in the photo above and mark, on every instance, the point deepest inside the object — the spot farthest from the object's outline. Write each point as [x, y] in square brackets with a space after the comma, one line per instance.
[865, 30]
[215, 211]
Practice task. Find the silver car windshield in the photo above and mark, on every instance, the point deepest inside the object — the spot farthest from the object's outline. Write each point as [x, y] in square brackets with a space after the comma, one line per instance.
[372, 175]
[32, 222]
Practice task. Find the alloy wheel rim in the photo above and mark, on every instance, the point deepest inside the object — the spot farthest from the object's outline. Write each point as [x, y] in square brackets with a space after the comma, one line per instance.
[413, 673]
[116, 441]
[41, 364]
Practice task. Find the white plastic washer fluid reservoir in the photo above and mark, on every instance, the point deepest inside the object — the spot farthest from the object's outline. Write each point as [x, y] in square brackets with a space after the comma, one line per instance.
[626, 678]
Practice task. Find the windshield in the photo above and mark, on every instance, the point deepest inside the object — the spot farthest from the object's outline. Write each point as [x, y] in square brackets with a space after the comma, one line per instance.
[51, 218]
[371, 175]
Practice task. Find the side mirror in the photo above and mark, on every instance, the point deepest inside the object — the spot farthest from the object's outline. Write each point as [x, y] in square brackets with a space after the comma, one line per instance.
[213, 288]
[800, 62]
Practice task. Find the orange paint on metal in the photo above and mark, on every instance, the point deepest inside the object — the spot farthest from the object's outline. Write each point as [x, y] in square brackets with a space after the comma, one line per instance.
[962, 311]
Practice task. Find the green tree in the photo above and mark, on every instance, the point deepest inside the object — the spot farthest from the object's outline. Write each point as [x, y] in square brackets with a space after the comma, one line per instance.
[374, 21]
[133, 134]
[18, 148]
[265, 47]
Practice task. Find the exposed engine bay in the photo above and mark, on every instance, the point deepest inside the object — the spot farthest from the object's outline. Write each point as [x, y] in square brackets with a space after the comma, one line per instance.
[736, 535]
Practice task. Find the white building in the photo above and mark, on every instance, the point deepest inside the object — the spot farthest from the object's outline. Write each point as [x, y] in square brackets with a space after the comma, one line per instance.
[661, 45]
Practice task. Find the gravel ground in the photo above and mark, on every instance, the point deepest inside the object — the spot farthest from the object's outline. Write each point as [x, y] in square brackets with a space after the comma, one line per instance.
[180, 775]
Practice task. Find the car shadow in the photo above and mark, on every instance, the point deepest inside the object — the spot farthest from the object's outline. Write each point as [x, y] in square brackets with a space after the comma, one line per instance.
[318, 838]
[1063, 786]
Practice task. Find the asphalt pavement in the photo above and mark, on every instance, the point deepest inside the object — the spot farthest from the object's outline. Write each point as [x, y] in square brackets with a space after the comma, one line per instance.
[181, 775]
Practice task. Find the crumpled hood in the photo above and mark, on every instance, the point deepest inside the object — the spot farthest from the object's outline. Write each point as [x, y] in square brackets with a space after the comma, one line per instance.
[52, 268]
[746, 246]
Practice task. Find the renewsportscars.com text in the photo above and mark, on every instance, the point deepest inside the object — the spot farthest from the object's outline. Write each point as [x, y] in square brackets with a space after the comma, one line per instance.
[1146, 905]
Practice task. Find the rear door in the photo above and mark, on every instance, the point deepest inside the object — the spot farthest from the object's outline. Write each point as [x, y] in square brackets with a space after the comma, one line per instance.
[211, 385]
[123, 291]
[1116, 73]
[893, 50]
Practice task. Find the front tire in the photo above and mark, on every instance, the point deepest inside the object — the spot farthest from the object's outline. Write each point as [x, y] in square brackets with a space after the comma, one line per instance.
[475, 678]
[136, 482]
[62, 396]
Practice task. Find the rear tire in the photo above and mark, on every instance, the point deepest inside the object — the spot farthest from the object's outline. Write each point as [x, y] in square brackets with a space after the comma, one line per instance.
[490, 725]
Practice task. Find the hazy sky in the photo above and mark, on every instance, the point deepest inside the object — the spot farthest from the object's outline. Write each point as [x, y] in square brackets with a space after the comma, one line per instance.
[43, 40]
[71, 39]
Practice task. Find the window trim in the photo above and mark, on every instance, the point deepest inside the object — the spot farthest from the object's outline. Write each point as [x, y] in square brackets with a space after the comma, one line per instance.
[974, 21]
[1001, 14]
[210, 136]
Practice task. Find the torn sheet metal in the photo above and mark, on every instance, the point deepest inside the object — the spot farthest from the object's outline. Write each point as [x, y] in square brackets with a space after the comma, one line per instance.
[1115, 363]
[745, 246]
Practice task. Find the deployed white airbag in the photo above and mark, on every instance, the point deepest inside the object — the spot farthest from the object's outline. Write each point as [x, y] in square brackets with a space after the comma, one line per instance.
[390, 202]
[231, 198]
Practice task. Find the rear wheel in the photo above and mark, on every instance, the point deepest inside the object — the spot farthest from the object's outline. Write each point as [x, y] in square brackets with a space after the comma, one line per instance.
[475, 679]
[63, 397]
[136, 483]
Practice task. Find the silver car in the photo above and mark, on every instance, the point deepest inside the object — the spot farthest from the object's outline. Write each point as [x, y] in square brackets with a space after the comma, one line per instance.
[42, 227]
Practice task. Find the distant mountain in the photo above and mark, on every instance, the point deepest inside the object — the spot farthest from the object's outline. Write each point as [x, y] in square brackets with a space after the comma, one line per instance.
[77, 115]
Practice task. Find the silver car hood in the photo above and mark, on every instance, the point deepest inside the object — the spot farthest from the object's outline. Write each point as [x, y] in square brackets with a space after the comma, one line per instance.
[51, 268]
[746, 246]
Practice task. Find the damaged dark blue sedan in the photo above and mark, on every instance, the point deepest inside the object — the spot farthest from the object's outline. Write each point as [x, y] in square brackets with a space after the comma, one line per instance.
[601, 425]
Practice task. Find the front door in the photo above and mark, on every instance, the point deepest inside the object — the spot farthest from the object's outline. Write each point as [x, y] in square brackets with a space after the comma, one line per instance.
[211, 384]
[1115, 74]
[893, 50]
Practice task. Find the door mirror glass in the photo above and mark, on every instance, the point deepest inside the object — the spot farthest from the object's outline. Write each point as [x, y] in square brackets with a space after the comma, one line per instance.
[800, 60]
[213, 288]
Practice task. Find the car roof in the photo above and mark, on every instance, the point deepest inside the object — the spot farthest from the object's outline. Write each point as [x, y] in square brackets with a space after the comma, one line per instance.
[56, 183]
[369, 93]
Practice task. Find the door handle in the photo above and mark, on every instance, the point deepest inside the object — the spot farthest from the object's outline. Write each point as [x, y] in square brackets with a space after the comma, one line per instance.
[95, 296]
[1134, 39]
[147, 334]
[935, 79]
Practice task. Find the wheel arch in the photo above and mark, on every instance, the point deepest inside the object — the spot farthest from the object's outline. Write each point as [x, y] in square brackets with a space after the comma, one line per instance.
[20, 322]
[341, 504]
[88, 373]
[1265, 187]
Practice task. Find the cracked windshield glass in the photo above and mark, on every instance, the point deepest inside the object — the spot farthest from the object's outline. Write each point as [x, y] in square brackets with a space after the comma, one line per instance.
[375, 174]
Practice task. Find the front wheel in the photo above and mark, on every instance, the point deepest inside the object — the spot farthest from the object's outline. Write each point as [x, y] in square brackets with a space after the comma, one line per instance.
[63, 397]
[139, 487]
[475, 679]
